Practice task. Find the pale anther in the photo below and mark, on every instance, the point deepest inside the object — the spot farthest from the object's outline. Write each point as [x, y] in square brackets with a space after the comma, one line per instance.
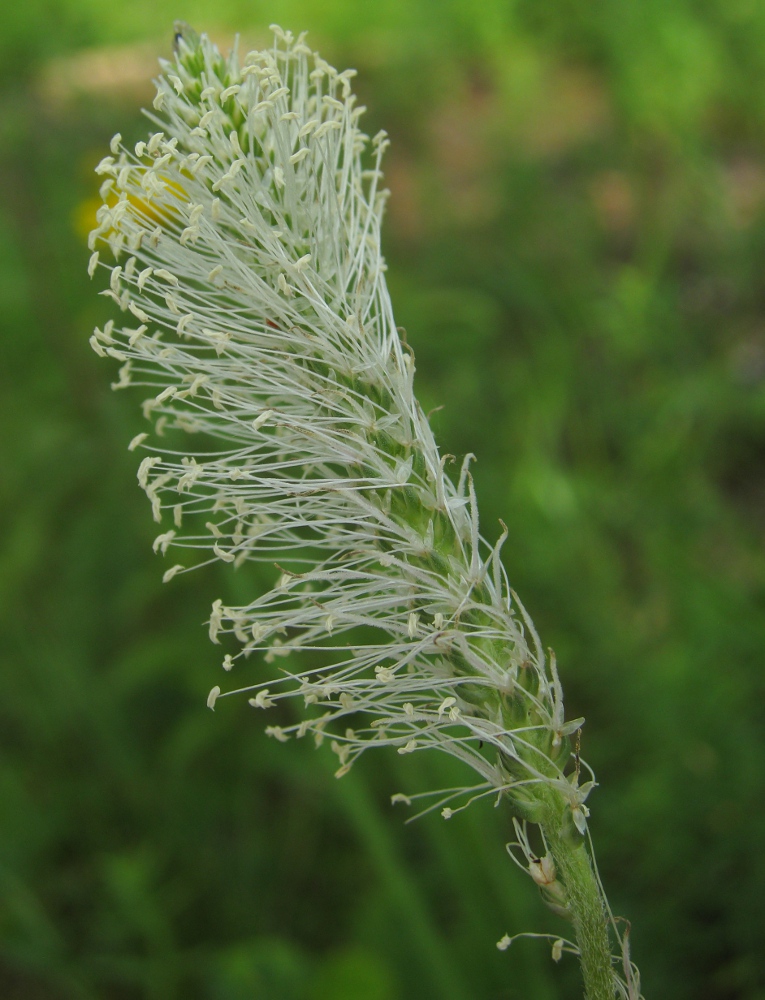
[143, 277]
[166, 275]
[261, 419]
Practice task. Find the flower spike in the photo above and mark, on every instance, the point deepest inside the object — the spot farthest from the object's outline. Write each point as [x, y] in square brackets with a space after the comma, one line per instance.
[245, 233]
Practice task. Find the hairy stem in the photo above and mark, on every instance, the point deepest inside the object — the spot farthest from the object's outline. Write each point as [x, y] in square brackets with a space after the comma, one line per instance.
[584, 901]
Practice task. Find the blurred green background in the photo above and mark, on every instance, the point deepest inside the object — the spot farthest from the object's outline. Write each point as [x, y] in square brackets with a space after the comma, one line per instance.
[576, 240]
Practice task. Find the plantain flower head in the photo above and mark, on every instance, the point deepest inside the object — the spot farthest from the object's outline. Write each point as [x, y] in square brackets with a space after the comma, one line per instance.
[242, 244]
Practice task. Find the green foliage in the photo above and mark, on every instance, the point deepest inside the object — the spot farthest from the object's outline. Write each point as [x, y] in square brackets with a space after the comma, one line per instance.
[575, 244]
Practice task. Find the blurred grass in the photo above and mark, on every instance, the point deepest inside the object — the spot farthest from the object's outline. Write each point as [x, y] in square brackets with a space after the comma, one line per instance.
[575, 240]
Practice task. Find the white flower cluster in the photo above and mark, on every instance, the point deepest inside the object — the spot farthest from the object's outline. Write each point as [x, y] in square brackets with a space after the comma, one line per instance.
[246, 235]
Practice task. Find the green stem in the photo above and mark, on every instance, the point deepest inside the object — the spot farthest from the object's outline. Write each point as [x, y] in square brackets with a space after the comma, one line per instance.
[585, 903]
